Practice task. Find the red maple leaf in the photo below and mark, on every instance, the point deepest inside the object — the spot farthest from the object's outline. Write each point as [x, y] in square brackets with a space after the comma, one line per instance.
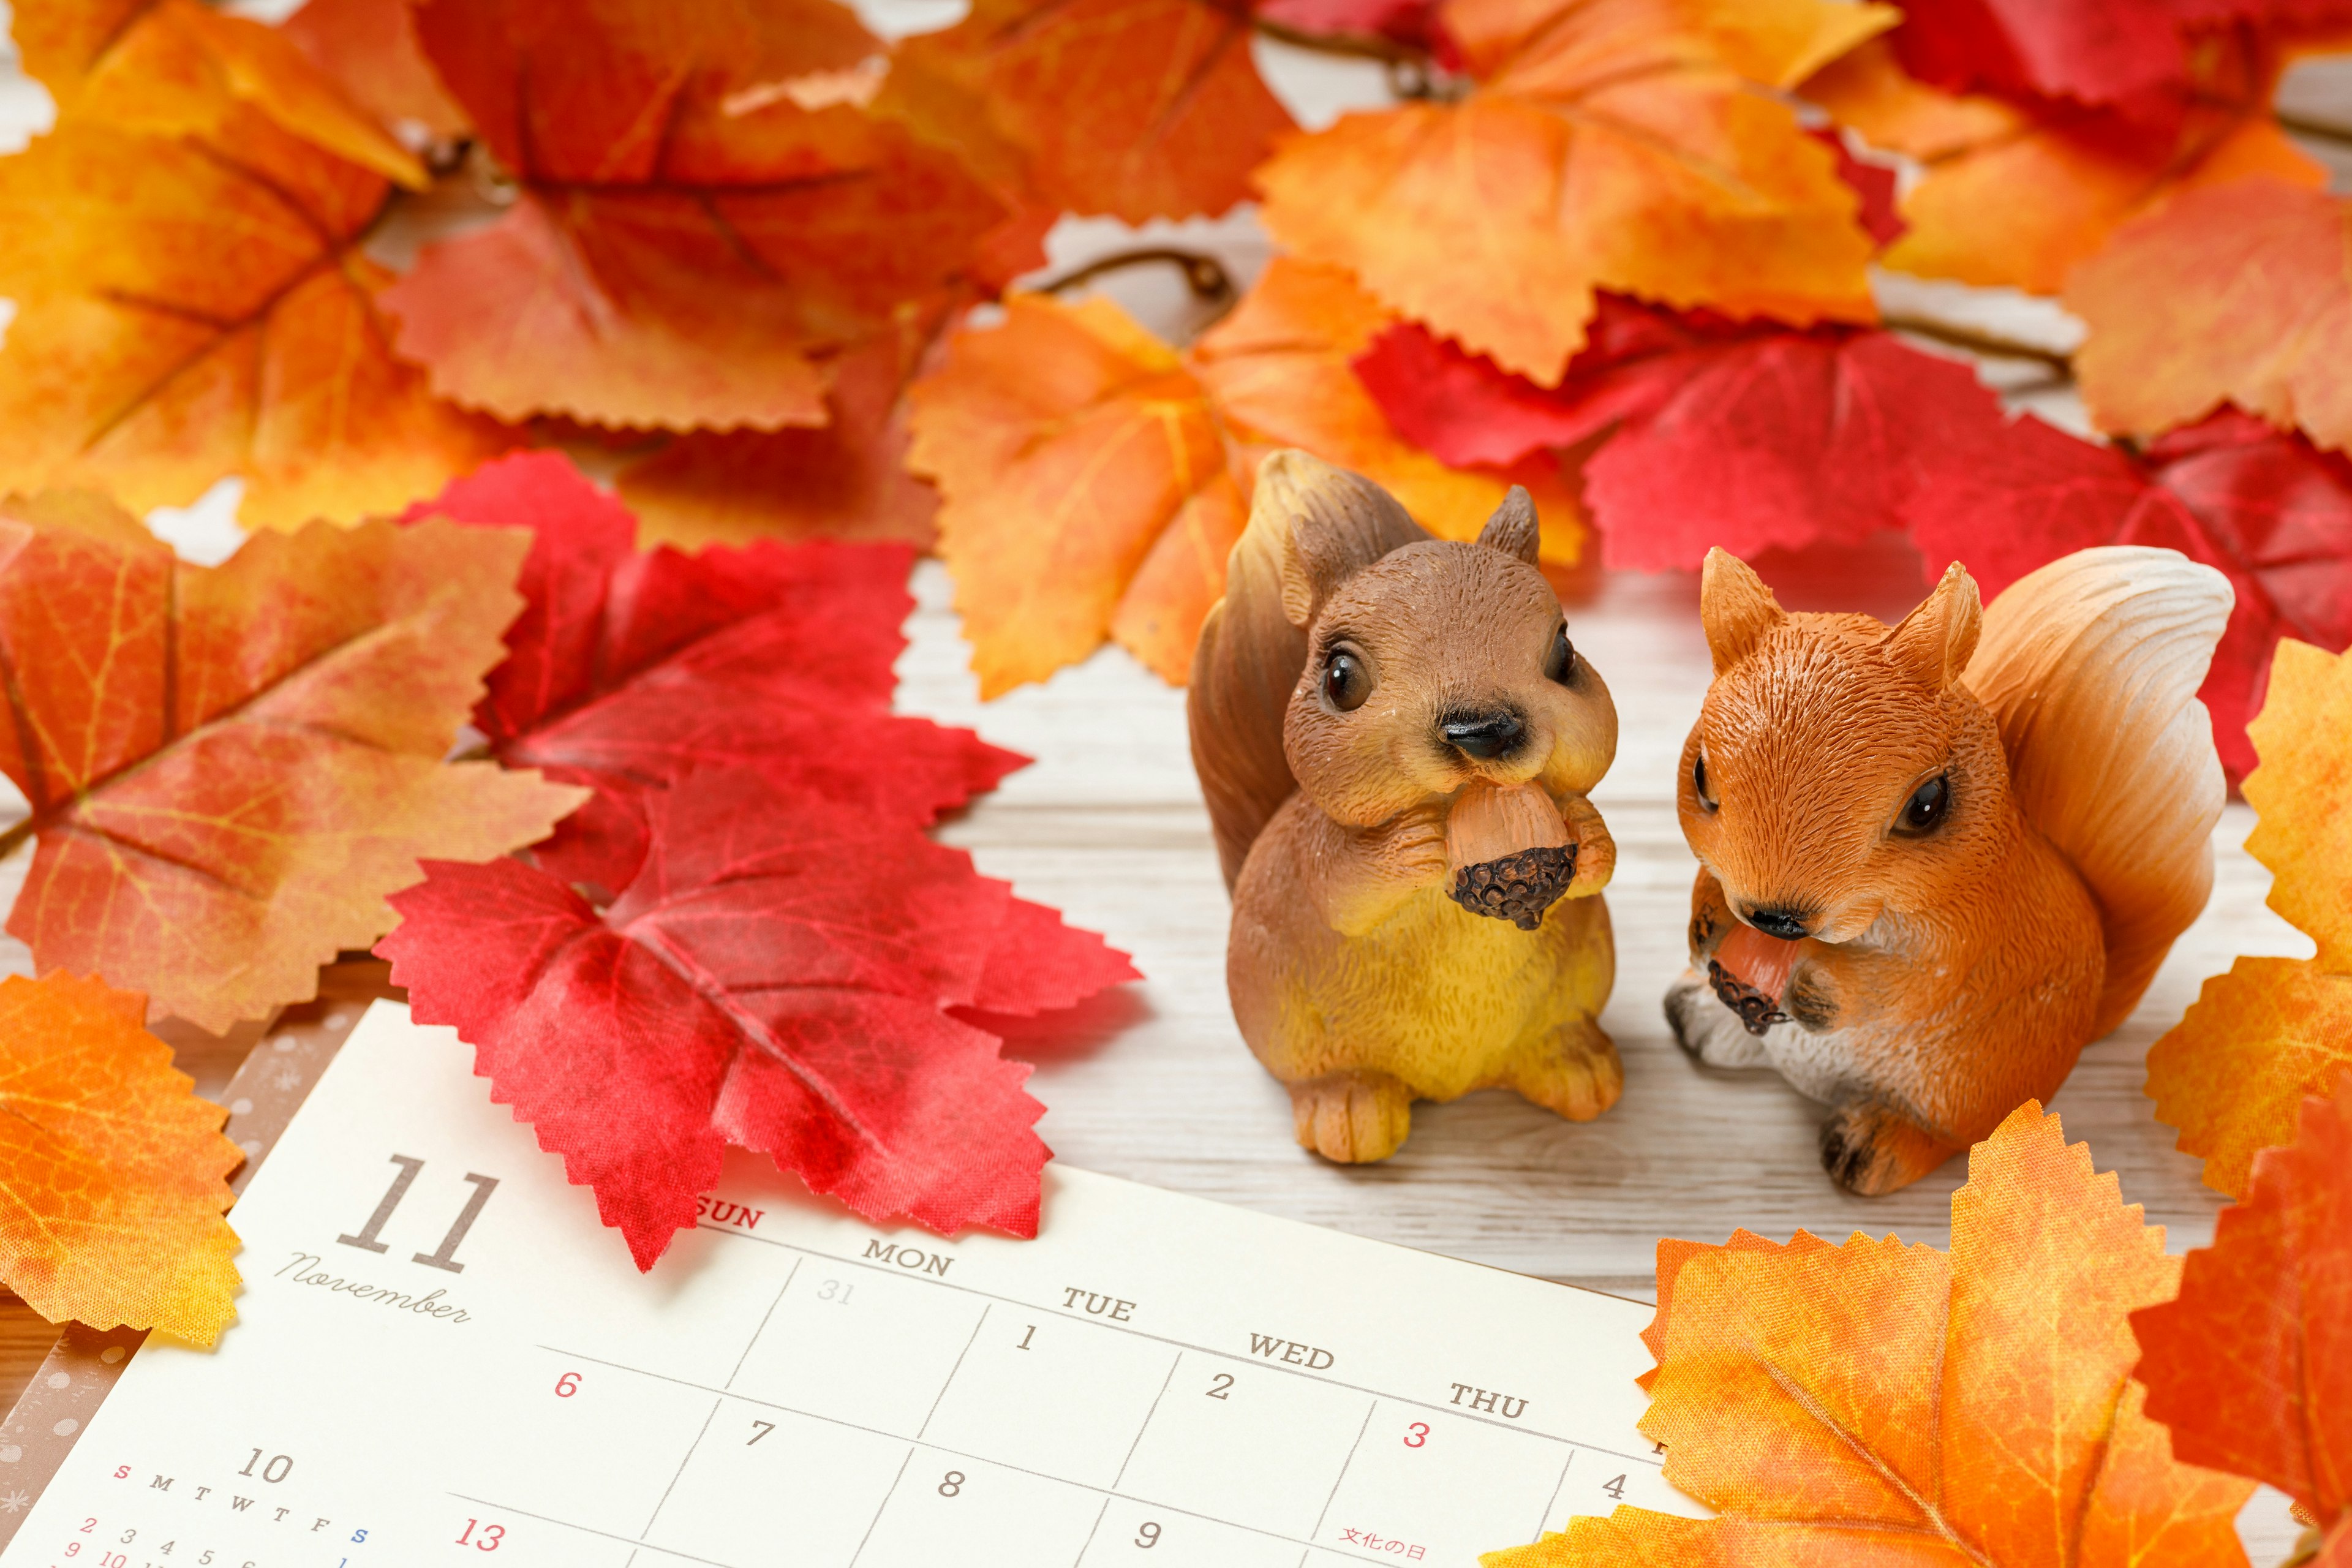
[2097, 51]
[775, 977]
[627, 670]
[2265, 508]
[744, 937]
[2252, 1365]
[1747, 434]
[1753, 435]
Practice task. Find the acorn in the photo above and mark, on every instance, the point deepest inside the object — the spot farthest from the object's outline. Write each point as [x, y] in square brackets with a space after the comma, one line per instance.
[1510, 852]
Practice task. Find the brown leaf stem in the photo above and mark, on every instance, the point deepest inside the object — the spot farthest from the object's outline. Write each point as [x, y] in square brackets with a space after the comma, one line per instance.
[1204, 274]
[2317, 130]
[1989, 343]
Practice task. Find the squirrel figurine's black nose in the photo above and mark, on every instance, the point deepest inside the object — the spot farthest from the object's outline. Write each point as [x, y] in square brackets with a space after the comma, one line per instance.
[1786, 924]
[1483, 736]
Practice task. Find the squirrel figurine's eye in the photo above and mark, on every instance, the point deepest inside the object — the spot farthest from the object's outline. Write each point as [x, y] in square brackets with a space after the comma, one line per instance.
[1924, 811]
[1346, 681]
[1699, 783]
[1560, 659]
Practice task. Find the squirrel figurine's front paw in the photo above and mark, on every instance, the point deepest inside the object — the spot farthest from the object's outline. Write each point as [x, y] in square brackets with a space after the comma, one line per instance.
[1575, 1072]
[1596, 852]
[1352, 1117]
[1871, 1151]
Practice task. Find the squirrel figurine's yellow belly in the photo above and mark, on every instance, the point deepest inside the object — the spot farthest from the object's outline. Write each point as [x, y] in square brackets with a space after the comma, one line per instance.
[1429, 1003]
[1396, 739]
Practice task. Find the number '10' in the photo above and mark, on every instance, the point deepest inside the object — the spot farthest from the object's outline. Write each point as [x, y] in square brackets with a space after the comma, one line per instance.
[445, 1254]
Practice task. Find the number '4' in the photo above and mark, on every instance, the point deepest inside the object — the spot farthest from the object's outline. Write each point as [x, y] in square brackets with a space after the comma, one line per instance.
[445, 1254]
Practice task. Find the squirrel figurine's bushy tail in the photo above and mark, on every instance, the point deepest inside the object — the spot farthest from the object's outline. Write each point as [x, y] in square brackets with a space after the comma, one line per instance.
[1251, 651]
[2090, 666]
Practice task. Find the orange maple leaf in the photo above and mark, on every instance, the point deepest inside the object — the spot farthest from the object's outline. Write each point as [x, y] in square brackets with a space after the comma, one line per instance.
[2232, 1072]
[2238, 293]
[115, 1174]
[192, 302]
[2252, 1365]
[1138, 109]
[2019, 198]
[1895, 1404]
[705, 211]
[177, 67]
[1623, 144]
[845, 479]
[230, 768]
[1093, 478]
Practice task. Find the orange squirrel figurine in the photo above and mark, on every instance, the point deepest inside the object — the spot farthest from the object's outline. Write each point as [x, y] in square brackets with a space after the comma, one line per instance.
[1934, 861]
[1395, 738]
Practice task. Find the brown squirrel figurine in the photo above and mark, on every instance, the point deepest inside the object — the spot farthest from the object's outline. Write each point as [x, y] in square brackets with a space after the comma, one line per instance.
[1396, 737]
[1937, 861]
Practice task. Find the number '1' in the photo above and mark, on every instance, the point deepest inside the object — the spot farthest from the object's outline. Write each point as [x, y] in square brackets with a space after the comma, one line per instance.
[445, 1254]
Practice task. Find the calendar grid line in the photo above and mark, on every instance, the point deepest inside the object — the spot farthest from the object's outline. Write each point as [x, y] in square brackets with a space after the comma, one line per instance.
[592, 1530]
[1140, 1431]
[1557, 1487]
[1106, 1493]
[1093, 1531]
[753, 1342]
[950, 1381]
[655, 1517]
[884, 1508]
[1456, 1414]
[1342, 1479]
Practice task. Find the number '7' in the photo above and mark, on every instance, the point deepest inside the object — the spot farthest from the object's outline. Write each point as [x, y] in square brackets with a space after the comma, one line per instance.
[445, 1254]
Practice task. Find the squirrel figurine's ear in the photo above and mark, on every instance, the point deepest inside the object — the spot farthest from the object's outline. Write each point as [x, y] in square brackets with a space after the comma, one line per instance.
[1936, 641]
[1331, 522]
[1513, 530]
[1734, 606]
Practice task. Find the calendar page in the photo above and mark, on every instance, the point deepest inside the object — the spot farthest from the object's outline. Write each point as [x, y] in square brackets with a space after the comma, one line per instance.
[441, 1357]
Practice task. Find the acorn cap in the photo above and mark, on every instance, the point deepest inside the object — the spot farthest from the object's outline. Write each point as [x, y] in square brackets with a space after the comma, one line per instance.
[1510, 851]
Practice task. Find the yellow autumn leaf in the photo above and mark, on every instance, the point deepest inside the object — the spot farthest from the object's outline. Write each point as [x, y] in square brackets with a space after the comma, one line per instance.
[113, 1176]
[2234, 1071]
